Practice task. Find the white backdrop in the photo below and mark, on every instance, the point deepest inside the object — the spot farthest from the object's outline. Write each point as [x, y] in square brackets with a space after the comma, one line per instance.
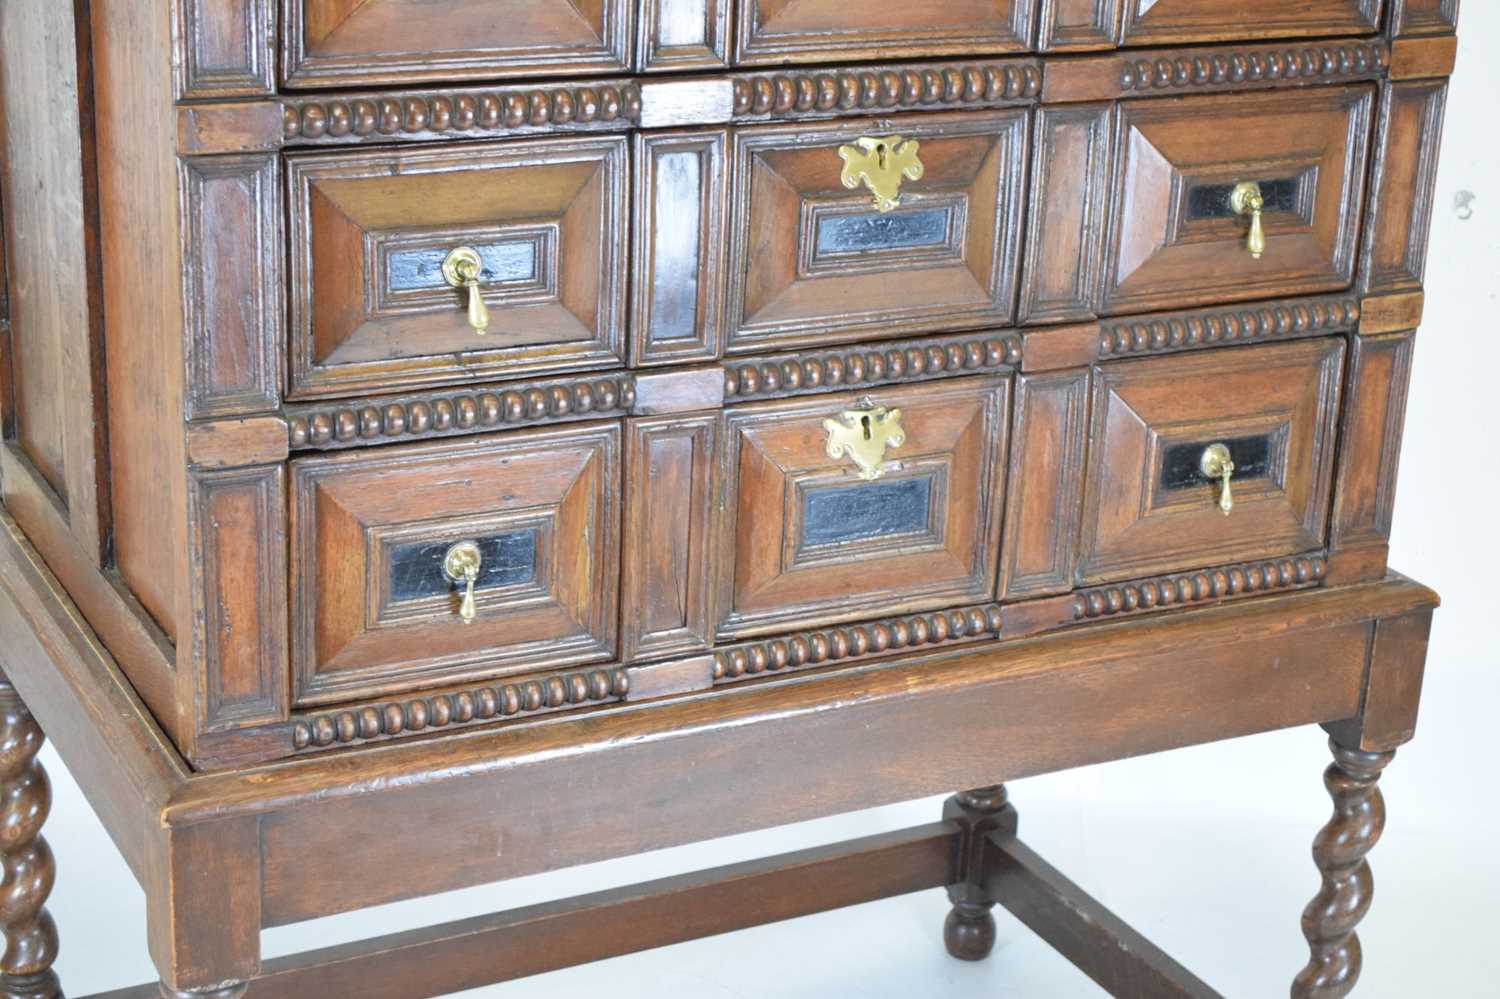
[1206, 850]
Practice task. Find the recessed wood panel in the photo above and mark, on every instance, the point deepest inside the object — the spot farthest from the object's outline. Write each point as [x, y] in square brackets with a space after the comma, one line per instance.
[335, 42]
[782, 31]
[1408, 135]
[1163, 22]
[1172, 239]
[1275, 407]
[374, 611]
[814, 261]
[370, 308]
[1370, 443]
[683, 34]
[805, 540]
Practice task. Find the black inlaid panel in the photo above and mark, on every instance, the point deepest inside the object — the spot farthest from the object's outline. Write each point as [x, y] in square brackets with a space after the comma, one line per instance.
[413, 270]
[836, 514]
[1251, 456]
[898, 230]
[1211, 201]
[506, 559]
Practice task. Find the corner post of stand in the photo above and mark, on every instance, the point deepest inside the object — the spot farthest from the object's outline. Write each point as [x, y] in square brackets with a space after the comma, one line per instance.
[969, 931]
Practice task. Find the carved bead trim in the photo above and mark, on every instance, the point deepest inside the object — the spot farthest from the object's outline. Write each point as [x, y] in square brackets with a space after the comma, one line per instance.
[852, 90]
[855, 641]
[1189, 588]
[878, 364]
[476, 704]
[445, 414]
[383, 116]
[1306, 63]
[1226, 325]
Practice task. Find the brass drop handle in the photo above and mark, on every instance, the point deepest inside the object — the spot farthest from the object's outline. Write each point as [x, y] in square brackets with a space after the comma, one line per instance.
[1217, 464]
[880, 164]
[461, 565]
[1246, 199]
[462, 268]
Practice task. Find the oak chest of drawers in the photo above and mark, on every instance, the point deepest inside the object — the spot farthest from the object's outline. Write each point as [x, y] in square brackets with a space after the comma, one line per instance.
[416, 409]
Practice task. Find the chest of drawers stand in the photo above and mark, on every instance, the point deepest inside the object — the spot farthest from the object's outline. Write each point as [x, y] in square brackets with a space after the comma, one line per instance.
[449, 441]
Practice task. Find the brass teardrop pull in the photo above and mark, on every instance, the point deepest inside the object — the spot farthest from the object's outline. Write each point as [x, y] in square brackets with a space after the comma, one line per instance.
[1216, 463]
[461, 565]
[462, 268]
[1246, 199]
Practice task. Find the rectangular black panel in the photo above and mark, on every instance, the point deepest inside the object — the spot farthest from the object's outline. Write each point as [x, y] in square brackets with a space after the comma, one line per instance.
[1211, 201]
[506, 559]
[898, 230]
[836, 514]
[422, 269]
[1251, 457]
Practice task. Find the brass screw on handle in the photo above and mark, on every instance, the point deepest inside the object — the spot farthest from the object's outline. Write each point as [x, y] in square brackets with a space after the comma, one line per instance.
[1246, 199]
[462, 268]
[1217, 464]
[461, 565]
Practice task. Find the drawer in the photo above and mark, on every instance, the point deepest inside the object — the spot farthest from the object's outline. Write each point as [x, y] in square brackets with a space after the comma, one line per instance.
[821, 525]
[371, 305]
[1148, 505]
[1174, 236]
[777, 32]
[814, 260]
[374, 609]
[339, 42]
[1160, 22]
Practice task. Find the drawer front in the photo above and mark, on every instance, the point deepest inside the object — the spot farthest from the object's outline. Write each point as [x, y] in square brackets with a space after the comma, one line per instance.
[376, 612]
[1175, 237]
[1160, 22]
[371, 305]
[776, 32]
[338, 42]
[1149, 507]
[808, 538]
[814, 260]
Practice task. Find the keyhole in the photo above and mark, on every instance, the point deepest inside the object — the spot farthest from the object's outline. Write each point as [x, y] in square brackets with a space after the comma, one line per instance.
[880, 151]
[864, 421]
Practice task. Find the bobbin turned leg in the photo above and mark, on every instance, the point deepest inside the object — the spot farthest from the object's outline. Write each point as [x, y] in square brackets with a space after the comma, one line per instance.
[1329, 920]
[27, 864]
[969, 931]
[223, 992]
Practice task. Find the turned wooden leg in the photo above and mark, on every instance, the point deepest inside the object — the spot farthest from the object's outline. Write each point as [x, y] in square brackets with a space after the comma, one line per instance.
[969, 931]
[25, 861]
[1339, 851]
[222, 992]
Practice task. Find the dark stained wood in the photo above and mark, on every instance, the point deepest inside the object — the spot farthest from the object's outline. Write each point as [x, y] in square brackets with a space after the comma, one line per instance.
[683, 34]
[333, 42]
[1393, 689]
[1391, 313]
[1136, 522]
[1159, 254]
[1072, 25]
[773, 568]
[1421, 17]
[1240, 663]
[1172, 21]
[256, 440]
[1339, 851]
[1423, 58]
[225, 48]
[829, 31]
[786, 191]
[681, 184]
[47, 181]
[969, 930]
[357, 633]
[25, 859]
[1042, 511]
[358, 323]
[666, 593]
[230, 127]
[203, 914]
[1403, 184]
[1099, 943]
[235, 292]
[1060, 347]
[1070, 182]
[1370, 439]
